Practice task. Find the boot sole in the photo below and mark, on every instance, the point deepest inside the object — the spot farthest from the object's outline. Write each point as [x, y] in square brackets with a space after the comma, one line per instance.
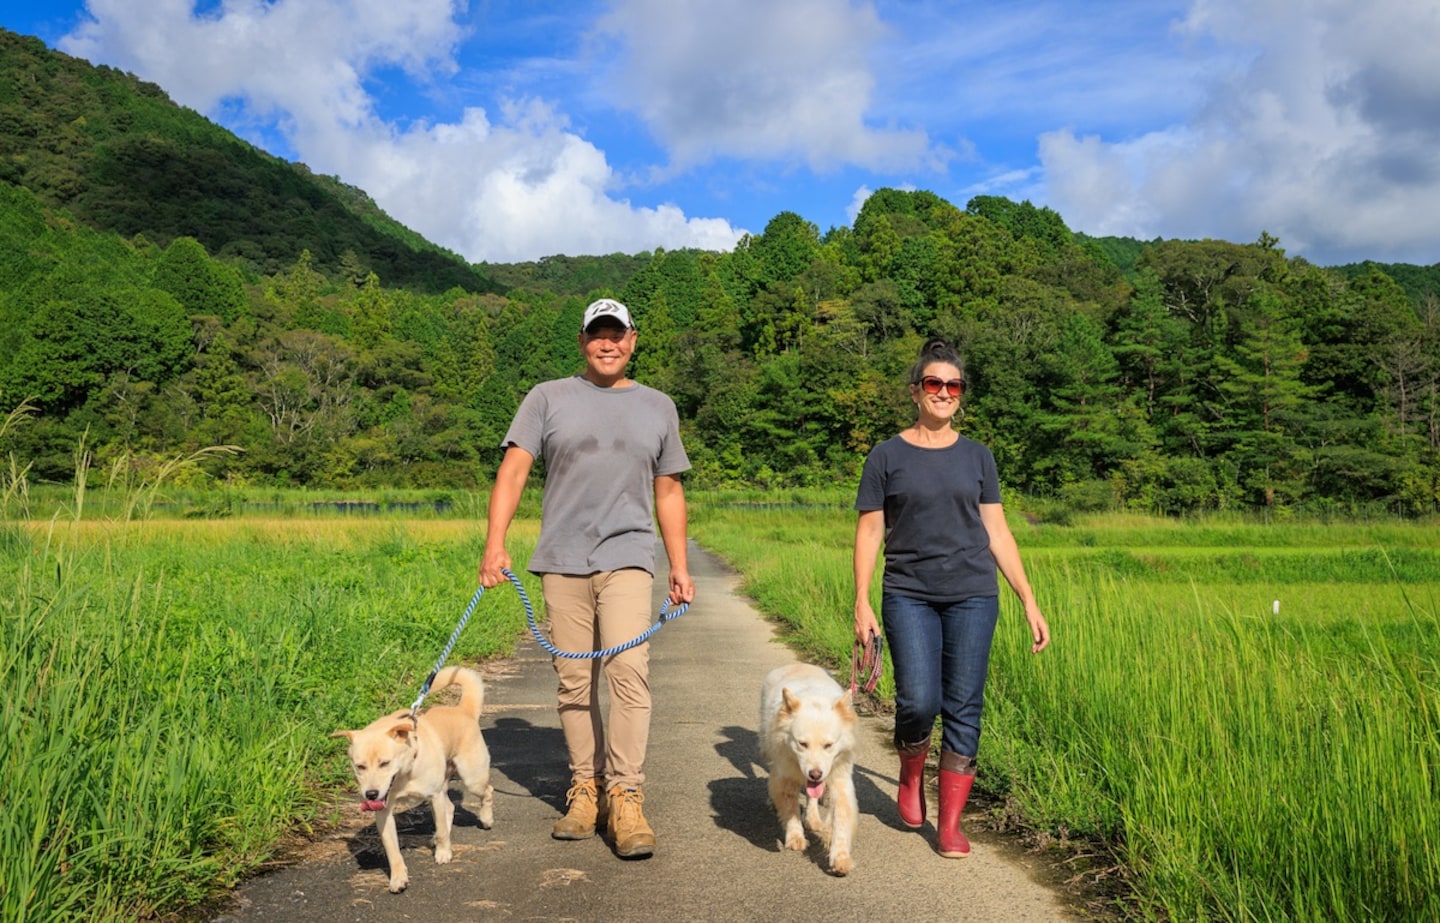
[644, 851]
[566, 835]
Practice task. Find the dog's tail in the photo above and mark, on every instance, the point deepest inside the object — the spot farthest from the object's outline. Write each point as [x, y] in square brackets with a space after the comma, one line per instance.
[472, 688]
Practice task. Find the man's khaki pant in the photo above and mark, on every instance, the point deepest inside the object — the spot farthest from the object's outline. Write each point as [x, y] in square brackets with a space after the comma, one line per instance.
[592, 613]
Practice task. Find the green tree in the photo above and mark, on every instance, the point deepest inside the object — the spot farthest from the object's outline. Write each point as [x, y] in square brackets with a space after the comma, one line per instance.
[1084, 435]
[71, 346]
[786, 249]
[1024, 221]
[1264, 400]
[370, 308]
[294, 297]
[198, 283]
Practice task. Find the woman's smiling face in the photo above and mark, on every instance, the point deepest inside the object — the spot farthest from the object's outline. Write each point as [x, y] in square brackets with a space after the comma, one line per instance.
[939, 390]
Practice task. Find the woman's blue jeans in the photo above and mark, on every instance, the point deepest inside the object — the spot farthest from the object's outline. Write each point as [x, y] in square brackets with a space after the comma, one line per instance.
[941, 653]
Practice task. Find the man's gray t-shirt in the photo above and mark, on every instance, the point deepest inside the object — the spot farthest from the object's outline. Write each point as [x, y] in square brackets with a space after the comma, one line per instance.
[603, 449]
[936, 546]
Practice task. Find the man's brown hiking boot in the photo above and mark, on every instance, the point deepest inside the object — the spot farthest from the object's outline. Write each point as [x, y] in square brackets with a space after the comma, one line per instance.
[632, 836]
[585, 809]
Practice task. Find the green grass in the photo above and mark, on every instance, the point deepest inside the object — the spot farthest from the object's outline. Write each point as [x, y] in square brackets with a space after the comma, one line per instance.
[155, 674]
[1240, 765]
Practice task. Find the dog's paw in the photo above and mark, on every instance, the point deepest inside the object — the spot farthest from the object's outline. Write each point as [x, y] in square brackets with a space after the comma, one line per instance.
[841, 864]
[795, 839]
[399, 882]
[487, 809]
[443, 854]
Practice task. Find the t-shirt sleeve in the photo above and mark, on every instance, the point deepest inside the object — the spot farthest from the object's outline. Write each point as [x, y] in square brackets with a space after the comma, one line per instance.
[989, 478]
[871, 493]
[673, 459]
[527, 430]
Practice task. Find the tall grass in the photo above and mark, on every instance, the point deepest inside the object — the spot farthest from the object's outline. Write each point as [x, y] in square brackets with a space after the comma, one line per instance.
[170, 688]
[14, 474]
[1246, 767]
[1242, 764]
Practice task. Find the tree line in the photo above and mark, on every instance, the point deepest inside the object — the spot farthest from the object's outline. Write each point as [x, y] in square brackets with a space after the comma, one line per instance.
[1212, 375]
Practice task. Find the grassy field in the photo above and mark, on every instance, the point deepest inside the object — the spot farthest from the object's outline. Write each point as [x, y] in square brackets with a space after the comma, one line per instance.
[1242, 764]
[155, 673]
[1246, 717]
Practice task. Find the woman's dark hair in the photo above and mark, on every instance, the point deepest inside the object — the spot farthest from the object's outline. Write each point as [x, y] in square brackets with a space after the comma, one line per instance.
[936, 351]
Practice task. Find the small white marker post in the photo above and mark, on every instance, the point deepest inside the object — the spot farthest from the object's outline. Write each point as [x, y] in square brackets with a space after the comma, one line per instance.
[1276, 607]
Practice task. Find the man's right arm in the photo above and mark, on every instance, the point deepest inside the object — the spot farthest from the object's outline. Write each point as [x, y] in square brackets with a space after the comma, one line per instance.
[504, 501]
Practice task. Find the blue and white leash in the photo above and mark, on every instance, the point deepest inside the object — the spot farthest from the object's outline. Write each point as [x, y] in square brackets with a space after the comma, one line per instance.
[665, 616]
[449, 646]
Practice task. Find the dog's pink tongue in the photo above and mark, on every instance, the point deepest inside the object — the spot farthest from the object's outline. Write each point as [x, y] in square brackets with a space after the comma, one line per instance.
[814, 790]
[372, 805]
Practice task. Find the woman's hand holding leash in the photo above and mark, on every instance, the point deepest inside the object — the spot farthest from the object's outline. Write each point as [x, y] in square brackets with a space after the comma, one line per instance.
[866, 625]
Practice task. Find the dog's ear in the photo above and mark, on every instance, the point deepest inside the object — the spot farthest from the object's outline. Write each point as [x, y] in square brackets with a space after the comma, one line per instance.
[790, 703]
[401, 731]
[845, 705]
[348, 735]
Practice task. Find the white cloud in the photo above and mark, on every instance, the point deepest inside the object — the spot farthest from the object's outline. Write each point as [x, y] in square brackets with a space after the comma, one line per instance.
[857, 202]
[1315, 120]
[518, 190]
[1329, 138]
[758, 79]
[301, 57]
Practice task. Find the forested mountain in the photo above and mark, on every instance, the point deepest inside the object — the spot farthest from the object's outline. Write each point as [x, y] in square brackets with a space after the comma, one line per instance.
[568, 275]
[1201, 375]
[116, 153]
[1421, 283]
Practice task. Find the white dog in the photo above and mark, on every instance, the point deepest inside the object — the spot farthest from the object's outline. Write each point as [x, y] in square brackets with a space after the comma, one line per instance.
[400, 761]
[807, 739]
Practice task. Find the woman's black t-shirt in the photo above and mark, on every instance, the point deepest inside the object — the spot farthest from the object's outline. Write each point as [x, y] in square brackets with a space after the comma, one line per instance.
[936, 546]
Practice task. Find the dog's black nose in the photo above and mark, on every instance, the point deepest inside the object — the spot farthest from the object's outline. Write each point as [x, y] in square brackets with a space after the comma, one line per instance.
[372, 794]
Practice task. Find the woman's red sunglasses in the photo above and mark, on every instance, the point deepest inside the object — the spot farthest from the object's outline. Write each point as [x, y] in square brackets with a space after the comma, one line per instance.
[932, 385]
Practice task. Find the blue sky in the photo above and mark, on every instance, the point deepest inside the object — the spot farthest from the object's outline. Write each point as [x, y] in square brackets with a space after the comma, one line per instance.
[514, 130]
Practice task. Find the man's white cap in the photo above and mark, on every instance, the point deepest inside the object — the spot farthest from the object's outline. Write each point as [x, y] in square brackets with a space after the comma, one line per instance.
[607, 307]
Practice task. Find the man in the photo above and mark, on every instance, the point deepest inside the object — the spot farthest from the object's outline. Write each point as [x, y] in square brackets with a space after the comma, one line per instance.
[613, 460]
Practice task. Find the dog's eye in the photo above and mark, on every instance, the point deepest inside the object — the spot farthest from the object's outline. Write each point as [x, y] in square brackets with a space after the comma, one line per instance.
[360, 767]
[383, 764]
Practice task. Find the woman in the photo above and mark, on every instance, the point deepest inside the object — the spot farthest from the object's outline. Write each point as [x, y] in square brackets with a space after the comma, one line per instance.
[933, 498]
